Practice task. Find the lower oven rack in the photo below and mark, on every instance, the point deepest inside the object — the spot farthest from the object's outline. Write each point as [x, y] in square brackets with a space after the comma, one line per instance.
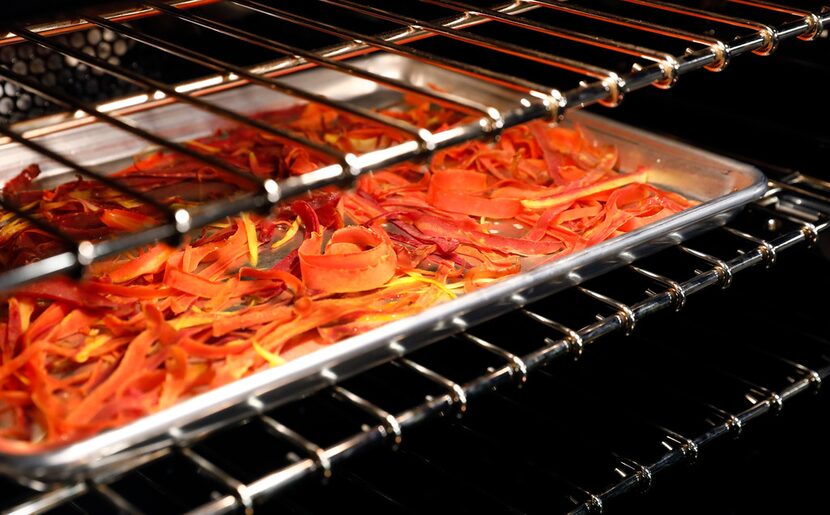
[795, 212]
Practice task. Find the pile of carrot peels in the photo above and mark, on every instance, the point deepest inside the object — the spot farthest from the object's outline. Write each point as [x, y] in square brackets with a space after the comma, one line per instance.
[151, 327]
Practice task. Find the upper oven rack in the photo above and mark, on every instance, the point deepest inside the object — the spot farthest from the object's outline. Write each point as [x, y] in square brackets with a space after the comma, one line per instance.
[541, 101]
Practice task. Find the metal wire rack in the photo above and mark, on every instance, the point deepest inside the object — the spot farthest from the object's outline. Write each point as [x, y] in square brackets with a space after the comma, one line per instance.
[740, 27]
[794, 213]
[795, 208]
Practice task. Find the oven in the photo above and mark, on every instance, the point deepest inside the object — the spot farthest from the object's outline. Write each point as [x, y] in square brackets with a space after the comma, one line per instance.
[683, 378]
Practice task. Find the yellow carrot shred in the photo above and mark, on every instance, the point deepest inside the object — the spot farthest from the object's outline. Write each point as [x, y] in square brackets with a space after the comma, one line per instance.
[380, 317]
[415, 277]
[272, 359]
[609, 184]
[203, 146]
[129, 203]
[289, 234]
[184, 322]
[253, 242]
[83, 354]
[26, 307]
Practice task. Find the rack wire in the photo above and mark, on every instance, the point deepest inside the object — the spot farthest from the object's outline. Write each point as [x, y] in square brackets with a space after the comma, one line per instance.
[596, 84]
[797, 207]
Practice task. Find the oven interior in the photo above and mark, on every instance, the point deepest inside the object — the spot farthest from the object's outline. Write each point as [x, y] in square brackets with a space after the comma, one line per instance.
[712, 401]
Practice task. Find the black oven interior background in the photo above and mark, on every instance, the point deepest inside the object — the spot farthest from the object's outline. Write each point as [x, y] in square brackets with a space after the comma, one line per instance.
[532, 449]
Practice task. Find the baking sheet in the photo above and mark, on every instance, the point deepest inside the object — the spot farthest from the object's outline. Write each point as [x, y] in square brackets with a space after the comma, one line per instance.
[721, 184]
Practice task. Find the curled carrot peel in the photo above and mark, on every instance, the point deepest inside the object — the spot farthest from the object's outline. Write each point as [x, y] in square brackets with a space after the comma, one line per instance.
[355, 259]
[151, 327]
[462, 191]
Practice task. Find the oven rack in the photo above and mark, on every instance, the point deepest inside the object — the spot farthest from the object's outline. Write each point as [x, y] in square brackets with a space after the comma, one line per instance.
[596, 84]
[796, 211]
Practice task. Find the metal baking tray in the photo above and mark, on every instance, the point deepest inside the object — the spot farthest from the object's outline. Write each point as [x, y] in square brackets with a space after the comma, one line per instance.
[722, 185]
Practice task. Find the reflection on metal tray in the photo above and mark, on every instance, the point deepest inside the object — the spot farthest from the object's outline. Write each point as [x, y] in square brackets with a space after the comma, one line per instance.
[722, 185]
